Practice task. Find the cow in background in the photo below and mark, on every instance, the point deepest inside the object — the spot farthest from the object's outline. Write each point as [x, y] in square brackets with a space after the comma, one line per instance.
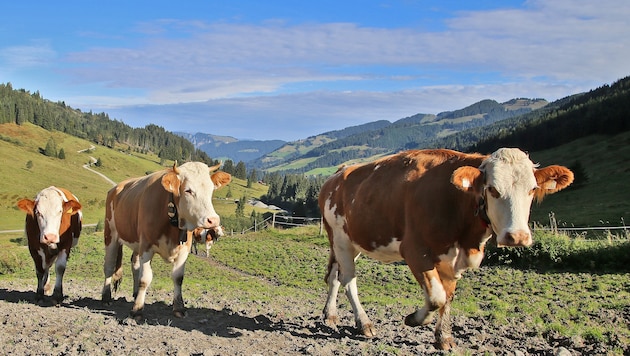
[153, 214]
[434, 209]
[208, 236]
[53, 226]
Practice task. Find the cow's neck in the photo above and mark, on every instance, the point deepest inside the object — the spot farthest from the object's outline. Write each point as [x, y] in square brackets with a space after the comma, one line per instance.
[173, 218]
[481, 210]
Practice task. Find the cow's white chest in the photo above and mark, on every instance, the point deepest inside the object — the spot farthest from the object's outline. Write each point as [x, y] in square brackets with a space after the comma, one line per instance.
[167, 250]
[458, 259]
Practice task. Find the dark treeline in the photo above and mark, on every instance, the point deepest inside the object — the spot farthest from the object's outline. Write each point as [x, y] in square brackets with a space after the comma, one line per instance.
[295, 193]
[21, 106]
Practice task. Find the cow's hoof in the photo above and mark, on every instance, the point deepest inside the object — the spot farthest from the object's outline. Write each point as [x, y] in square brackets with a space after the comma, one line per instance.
[412, 319]
[446, 344]
[57, 299]
[368, 330]
[180, 313]
[331, 321]
[136, 314]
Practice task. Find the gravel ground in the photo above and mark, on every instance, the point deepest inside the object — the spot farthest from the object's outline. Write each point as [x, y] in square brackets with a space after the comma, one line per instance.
[216, 325]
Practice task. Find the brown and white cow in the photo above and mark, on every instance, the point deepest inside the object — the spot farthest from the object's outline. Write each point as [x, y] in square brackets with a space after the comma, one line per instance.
[207, 236]
[53, 226]
[153, 214]
[434, 209]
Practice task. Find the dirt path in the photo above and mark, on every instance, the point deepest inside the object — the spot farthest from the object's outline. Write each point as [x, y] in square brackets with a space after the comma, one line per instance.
[92, 161]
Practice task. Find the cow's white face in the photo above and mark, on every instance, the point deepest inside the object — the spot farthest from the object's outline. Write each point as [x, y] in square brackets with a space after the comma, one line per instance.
[48, 209]
[195, 186]
[508, 181]
[509, 186]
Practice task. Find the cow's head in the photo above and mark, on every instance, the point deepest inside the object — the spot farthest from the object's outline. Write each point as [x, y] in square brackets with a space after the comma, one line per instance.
[208, 236]
[52, 211]
[192, 185]
[505, 185]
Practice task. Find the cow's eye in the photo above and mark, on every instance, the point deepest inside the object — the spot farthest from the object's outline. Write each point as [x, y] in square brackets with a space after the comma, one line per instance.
[189, 191]
[493, 191]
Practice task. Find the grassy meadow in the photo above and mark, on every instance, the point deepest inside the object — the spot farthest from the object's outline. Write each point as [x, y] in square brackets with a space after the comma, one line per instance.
[20, 145]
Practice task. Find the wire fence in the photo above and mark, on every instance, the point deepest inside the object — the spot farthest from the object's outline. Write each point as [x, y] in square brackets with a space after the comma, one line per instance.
[588, 233]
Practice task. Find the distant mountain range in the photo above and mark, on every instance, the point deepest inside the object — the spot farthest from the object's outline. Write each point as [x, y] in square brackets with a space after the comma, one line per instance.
[359, 142]
[226, 147]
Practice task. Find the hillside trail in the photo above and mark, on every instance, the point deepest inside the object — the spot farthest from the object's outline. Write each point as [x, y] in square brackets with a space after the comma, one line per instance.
[93, 161]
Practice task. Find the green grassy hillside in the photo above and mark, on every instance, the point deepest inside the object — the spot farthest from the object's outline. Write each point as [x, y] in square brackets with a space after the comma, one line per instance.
[21, 144]
[598, 197]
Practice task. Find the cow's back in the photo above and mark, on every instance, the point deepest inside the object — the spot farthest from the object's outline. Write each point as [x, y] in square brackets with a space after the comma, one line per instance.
[399, 195]
[134, 204]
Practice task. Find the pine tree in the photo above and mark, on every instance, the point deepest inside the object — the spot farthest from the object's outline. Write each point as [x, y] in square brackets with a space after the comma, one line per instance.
[51, 148]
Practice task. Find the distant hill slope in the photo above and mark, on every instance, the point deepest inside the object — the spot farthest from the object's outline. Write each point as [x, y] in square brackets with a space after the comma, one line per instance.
[381, 137]
[227, 147]
[294, 150]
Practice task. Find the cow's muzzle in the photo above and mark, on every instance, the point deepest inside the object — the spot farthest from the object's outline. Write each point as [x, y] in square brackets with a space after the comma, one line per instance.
[49, 239]
[515, 239]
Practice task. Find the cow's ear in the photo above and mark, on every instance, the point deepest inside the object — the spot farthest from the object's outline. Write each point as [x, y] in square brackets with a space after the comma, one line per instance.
[220, 179]
[552, 179]
[26, 205]
[71, 207]
[170, 182]
[468, 179]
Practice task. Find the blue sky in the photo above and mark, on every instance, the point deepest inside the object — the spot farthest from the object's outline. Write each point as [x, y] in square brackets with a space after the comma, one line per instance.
[292, 69]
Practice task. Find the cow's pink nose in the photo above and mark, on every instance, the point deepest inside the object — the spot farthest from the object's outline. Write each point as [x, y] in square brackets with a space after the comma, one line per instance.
[50, 238]
[518, 238]
[212, 222]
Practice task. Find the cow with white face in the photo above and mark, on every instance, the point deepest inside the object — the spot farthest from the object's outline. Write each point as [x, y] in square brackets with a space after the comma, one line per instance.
[154, 214]
[53, 226]
[434, 209]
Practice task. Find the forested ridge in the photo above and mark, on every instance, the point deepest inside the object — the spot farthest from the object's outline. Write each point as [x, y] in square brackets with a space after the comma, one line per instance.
[20, 106]
[605, 110]
[417, 131]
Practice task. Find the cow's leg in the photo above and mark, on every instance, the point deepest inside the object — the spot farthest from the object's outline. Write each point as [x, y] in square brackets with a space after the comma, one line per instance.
[346, 255]
[135, 272]
[42, 271]
[112, 268]
[146, 276]
[443, 332]
[331, 317]
[179, 266]
[434, 298]
[60, 269]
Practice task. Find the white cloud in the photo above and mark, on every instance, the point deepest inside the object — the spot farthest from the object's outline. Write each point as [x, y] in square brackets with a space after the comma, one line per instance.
[36, 54]
[294, 116]
[251, 80]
